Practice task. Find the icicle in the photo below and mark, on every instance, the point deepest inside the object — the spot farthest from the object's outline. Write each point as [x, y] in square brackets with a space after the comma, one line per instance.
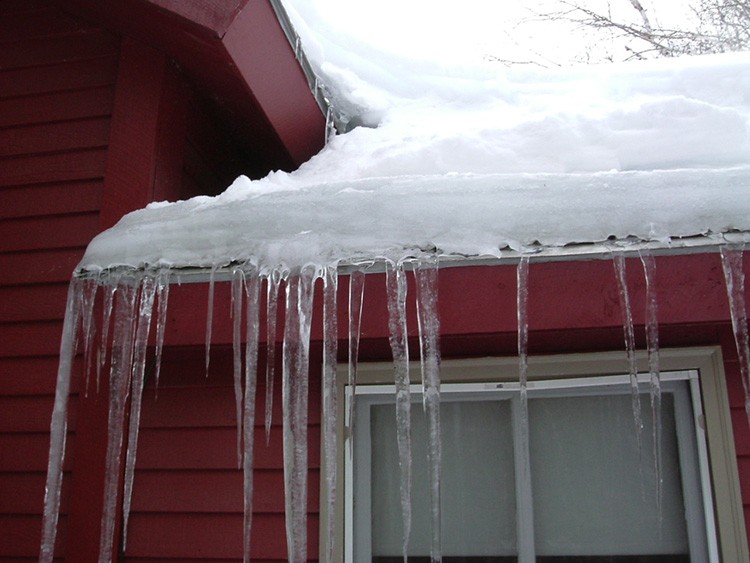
[210, 316]
[426, 274]
[356, 294]
[252, 290]
[88, 301]
[109, 297]
[272, 301]
[652, 345]
[145, 312]
[119, 386]
[396, 290]
[238, 281]
[59, 423]
[296, 349]
[618, 259]
[522, 298]
[330, 405]
[162, 292]
[731, 259]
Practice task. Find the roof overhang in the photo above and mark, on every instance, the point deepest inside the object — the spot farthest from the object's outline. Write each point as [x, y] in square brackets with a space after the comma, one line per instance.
[238, 53]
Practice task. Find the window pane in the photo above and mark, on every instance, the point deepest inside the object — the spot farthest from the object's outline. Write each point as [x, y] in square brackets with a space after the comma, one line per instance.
[592, 493]
[478, 486]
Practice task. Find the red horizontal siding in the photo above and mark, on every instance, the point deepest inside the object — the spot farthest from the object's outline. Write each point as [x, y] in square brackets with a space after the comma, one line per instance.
[98, 70]
[42, 266]
[57, 48]
[51, 199]
[63, 167]
[54, 137]
[210, 536]
[35, 448]
[42, 22]
[24, 493]
[33, 303]
[56, 106]
[21, 377]
[42, 233]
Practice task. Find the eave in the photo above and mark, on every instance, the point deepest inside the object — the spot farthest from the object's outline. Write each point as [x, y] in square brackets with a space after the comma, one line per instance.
[237, 53]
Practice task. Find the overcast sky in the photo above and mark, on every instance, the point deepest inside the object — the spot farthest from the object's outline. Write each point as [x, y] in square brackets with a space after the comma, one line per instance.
[469, 30]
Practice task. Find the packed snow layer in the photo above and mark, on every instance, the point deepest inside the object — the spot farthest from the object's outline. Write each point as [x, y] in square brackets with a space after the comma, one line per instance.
[477, 164]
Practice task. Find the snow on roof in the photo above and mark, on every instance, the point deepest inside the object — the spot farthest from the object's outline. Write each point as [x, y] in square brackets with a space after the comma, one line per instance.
[478, 163]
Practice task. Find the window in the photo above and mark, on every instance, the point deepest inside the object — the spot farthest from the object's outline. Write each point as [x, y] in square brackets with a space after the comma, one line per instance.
[590, 493]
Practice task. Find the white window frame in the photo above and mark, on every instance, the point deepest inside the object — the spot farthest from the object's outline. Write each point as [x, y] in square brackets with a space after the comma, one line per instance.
[727, 539]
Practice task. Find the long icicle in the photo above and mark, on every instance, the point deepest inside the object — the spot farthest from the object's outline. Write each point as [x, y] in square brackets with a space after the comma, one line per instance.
[652, 345]
[88, 302]
[356, 295]
[59, 423]
[426, 274]
[119, 387]
[238, 282]
[731, 260]
[396, 292]
[210, 316]
[295, 398]
[252, 291]
[525, 535]
[618, 259]
[162, 293]
[145, 312]
[109, 299]
[272, 304]
[330, 406]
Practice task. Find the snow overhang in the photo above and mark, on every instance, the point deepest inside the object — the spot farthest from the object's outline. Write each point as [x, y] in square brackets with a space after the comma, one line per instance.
[564, 164]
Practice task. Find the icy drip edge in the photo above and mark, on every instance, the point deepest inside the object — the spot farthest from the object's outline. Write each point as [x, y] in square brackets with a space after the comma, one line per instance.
[396, 294]
[59, 424]
[148, 292]
[330, 414]
[426, 275]
[732, 264]
[252, 291]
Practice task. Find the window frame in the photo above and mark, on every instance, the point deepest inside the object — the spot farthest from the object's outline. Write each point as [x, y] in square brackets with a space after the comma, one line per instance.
[709, 390]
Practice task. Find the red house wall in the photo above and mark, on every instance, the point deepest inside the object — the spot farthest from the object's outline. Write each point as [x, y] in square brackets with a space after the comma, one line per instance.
[90, 128]
[57, 77]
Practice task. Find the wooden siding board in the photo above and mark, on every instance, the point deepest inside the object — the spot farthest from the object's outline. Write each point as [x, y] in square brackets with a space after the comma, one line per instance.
[215, 491]
[212, 448]
[82, 165]
[41, 233]
[30, 414]
[56, 106]
[62, 198]
[42, 22]
[23, 493]
[43, 266]
[211, 536]
[97, 71]
[30, 339]
[33, 303]
[35, 448]
[20, 377]
[54, 137]
[54, 49]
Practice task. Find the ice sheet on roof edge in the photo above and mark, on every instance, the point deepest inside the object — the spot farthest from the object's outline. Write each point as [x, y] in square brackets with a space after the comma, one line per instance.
[464, 215]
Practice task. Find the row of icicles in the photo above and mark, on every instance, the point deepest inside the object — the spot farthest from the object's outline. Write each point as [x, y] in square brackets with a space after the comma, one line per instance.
[136, 295]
